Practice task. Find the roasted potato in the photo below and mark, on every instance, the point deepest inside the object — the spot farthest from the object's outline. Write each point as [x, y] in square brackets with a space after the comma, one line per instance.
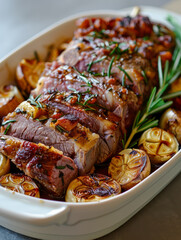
[10, 98]
[4, 165]
[159, 144]
[31, 110]
[129, 167]
[20, 183]
[91, 188]
[171, 121]
[27, 74]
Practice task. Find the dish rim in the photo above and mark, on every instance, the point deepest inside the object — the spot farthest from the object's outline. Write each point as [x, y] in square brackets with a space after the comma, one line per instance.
[52, 27]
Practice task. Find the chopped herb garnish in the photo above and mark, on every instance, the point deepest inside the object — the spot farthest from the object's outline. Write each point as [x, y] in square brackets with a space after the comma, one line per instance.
[110, 66]
[41, 120]
[35, 101]
[145, 38]
[100, 34]
[18, 110]
[70, 167]
[7, 129]
[123, 80]
[145, 77]
[61, 175]
[83, 77]
[92, 96]
[96, 61]
[8, 121]
[60, 167]
[61, 129]
[52, 95]
[125, 72]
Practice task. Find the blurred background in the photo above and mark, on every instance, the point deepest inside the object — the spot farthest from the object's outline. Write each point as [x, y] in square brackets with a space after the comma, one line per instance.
[20, 20]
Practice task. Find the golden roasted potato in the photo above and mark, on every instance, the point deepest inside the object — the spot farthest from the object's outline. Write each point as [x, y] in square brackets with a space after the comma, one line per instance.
[171, 121]
[158, 144]
[4, 165]
[20, 183]
[33, 111]
[27, 74]
[10, 98]
[130, 167]
[92, 188]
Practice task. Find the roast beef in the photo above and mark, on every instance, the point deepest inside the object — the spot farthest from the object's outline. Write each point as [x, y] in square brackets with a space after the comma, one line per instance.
[89, 114]
[83, 146]
[121, 101]
[46, 164]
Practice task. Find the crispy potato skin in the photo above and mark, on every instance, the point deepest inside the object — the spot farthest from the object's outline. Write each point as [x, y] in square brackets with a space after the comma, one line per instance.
[20, 183]
[4, 165]
[130, 167]
[28, 72]
[10, 98]
[92, 188]
[159, 144]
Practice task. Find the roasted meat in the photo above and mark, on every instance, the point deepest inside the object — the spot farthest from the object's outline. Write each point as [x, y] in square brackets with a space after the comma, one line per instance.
[83, 107]
[47, 165]
[80, 144]
[122, 102]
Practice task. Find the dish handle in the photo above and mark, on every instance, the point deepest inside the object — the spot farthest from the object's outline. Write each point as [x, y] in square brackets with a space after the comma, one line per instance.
[35, 211]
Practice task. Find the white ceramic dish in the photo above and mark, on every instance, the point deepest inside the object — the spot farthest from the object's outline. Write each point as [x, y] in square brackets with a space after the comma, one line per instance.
[59, 220]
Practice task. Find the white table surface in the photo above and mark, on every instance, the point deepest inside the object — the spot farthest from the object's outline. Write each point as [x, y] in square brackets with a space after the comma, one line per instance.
[20, 20]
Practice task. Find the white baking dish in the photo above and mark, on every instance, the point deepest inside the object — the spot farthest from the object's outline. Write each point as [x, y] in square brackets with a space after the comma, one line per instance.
[59, 220]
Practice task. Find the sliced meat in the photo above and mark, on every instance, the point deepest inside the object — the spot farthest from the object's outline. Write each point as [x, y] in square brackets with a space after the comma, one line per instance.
[122, 102]
[89, 114]
[83, 146]
[47, 165]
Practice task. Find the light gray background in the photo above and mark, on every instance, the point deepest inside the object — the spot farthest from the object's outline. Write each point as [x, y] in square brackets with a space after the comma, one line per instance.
[20, 20]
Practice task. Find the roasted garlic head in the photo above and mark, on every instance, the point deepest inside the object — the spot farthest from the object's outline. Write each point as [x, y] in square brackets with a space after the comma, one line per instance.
[92, 188]
[158, 144]
[20, 183]
[171, 121]
[4, 165]
[130, 167]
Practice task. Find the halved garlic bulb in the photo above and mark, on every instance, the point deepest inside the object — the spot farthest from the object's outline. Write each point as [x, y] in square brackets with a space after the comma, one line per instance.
[171, 121]
[130, 167]
[20, 183]
[92, 188]
[158, 144]
[4, 165]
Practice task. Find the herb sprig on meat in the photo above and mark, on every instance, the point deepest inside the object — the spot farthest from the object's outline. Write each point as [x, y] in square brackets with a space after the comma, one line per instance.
[156, 102]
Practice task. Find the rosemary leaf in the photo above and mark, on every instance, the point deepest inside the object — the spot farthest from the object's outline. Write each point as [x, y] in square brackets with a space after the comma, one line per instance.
[110, 66]
[8, 121]
[160, 73]
[7, 129]
[171, 95]
[156, 110]
[60, 167]
[125, 72]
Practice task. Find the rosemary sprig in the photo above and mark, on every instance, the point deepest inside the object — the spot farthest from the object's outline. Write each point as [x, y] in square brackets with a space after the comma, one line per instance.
[156, 102]
[35, 101]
